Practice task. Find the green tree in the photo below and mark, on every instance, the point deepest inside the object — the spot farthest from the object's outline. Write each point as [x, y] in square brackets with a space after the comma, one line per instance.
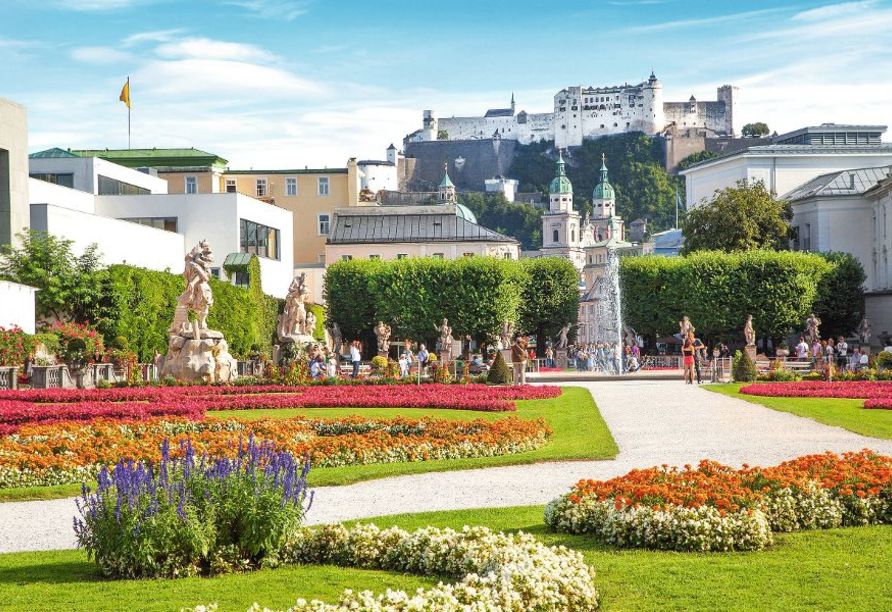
[740, 218]
[550, 297]
[840, 302]
[695, 158]
[520, 221]
[755, 130]
[348, 296]
[68, 284]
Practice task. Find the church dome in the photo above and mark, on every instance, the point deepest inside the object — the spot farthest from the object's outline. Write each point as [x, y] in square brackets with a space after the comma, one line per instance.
[560, 183]
[465, 213]
[603, 190]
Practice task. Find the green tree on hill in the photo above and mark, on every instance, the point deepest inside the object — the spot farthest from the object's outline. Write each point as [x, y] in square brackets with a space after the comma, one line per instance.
[755, 130]
[520, 221]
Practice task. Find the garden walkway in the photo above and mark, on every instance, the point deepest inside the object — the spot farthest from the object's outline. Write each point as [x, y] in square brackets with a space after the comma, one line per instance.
[653, 422]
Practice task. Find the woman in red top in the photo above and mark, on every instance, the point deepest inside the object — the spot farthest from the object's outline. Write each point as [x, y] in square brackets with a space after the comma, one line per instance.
[687, 351]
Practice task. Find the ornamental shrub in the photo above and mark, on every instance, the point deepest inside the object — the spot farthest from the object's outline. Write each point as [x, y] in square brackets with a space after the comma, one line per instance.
[15, 346]
[884, 360]
[187, 516]
[499, 374]
[379, 362]
[744, 369]
[78, 343]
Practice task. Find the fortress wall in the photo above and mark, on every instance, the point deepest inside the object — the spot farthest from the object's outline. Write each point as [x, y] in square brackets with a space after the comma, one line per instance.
[482, 160]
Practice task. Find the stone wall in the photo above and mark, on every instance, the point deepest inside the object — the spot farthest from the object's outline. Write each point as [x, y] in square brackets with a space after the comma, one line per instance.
[471, 162]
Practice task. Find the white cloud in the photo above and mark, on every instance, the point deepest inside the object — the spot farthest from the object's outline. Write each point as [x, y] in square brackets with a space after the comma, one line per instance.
[831, 11]
[100, 55]
[101, 5]
[206, 48]
[151, 36]
[283, 9]
[704, 21]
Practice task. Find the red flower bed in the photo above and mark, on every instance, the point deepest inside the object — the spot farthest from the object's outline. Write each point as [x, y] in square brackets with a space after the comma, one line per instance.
[54, 405]
[851, 389]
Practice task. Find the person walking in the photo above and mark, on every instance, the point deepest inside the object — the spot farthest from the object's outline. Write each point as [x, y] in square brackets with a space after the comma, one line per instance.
[519, 360]
[699, 357]
[355, 357]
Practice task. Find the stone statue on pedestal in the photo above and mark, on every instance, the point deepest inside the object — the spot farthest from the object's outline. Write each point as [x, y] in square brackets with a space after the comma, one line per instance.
[382, 333]
[748, 332]
[864, 332]
[812, 329]
[562, 338]
[195, 352]
[505, 336]
[685, 327]
[293, 320]
[445, 339]
[337, 338]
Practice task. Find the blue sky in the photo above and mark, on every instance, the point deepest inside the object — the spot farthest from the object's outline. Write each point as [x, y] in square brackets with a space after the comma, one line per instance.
[288, 83]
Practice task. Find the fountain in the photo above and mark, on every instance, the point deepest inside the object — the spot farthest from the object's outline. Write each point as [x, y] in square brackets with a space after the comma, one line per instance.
[611, 323]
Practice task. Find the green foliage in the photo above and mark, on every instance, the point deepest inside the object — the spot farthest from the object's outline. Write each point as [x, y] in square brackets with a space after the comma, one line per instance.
[840, 301]
[695, 158]
[520, 221]
[499, 374]
[78, 343]
[138, 304]
[319, 330]
[15, 346]
[718, 290]
[49, 340]
[643, 187]
[884, 360]
[740, 218]
[67, 283]
[348, 297]
[550, 297]
[755, 130]
[379, 362]
[743, 368]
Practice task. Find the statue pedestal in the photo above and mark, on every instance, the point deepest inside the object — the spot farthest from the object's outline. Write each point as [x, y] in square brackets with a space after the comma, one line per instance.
[204, 360]
[751, 351]
[560, 357]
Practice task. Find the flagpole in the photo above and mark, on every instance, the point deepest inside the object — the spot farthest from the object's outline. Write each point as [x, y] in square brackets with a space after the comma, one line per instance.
[128, 112]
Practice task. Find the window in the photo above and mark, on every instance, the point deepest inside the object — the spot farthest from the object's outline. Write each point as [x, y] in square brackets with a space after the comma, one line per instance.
[401, 255]
[191, 184]
[164, 223]
[230, 186]
[322, 184]
[324, 224]
[261, 188]
[346, 257]
[215, 272]
[259, 239]
[110, 186]
[805, 237]
[507, 255]
[438, 255]
[65, 180]
[572, 235]
[467, 254]
[242, 279]
[291, 186]
[374, 257]
[554, 236]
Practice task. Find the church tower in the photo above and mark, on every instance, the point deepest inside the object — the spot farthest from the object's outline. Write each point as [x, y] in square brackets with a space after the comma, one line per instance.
[446, 190]
[561, 227]
[607, 223]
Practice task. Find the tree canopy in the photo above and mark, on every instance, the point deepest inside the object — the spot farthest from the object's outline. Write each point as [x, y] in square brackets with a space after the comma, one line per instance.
[755, 130]
[550, 297]
[520, 221]
[740, 218]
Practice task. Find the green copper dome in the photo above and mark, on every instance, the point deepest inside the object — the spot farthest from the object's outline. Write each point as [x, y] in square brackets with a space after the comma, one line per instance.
[560, 183]
[465, 213]
[446, 182]
[603, 190]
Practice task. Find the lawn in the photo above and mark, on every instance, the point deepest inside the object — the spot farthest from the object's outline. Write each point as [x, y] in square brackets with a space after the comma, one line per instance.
[579, 433]
[846, 413]
[835, 569]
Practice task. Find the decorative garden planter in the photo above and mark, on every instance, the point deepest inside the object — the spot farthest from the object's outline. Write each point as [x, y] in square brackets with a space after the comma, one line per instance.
[51, 377]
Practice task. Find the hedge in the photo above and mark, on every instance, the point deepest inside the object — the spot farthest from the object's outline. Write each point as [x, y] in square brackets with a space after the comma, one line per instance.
[138, 304]
[718, 290]
[476, 294]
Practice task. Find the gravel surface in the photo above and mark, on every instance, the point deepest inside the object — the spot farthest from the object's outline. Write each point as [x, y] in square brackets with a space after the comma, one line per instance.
[653, 422]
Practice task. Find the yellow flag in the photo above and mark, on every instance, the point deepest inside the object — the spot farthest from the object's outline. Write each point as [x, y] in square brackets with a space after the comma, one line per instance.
[125, 93]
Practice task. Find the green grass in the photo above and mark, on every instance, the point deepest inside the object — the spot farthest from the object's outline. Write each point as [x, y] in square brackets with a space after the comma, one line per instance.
[580, 433]
[846, 413]
[840, 569]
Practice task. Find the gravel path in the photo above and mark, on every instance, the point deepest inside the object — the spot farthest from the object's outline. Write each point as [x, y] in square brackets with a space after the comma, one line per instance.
[653, 422]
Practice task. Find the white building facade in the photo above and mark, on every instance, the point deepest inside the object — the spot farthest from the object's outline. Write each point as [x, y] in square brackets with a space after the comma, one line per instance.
[581, 113]
[17, 306]
[92, 174]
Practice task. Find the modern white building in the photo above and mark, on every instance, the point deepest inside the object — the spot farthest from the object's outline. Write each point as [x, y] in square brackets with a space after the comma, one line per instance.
[17, 306]
[791, 160]
[13, 170]
[92, 174]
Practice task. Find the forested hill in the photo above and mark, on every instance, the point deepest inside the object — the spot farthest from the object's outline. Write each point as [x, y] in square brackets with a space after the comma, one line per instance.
[643, 187]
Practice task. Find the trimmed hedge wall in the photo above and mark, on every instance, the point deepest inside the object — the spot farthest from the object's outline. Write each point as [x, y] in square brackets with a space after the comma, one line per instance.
[717, 290]
[138, 304]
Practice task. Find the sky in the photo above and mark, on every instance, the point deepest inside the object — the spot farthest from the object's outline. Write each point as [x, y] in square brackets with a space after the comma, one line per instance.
[294, 83]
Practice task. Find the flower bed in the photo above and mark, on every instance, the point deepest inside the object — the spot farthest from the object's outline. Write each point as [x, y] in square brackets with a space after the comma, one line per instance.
[70, 452]
[715, 507]
[51, 405]
[842, 389]
[495, 571]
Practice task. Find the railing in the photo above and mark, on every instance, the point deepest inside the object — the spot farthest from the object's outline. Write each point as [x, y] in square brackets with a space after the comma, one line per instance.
[661, 362]
[9, 377]
[51, 377]
[102, 372]
[251, 367]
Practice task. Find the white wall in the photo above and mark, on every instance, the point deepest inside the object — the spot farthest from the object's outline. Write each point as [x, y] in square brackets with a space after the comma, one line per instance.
[41, 192]
[14, 161]
[17, 306]
[215, 217]
[376, 177]
[86, 171]
[781, 173]
[119, 241]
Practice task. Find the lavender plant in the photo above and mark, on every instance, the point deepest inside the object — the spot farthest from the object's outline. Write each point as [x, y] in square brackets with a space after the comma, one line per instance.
[193, 516]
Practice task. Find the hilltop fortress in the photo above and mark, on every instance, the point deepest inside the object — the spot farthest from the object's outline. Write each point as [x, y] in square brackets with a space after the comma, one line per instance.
[590, 112]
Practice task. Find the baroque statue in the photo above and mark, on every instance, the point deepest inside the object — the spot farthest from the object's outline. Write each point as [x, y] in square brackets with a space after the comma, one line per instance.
[337, 338]
[812, 329]
[293, 320]
[562, 338]
[685, 327]
[197, 297]
[863, 331]
[382, 333]
[748, 332]
[445, 338]
[505, 335]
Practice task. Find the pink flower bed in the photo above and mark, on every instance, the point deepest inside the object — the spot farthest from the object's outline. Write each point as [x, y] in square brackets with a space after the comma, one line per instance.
[852, 389]
[56, 405]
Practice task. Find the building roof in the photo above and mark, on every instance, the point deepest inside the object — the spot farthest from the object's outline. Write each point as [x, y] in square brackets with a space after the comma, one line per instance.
[499, 112]
[831, 128]
[840, 183]
[292, 171]
[794, 149]
[55, 152]
[374, 162]
[408, 224]
[446, 182]
[136, 158]
[603, 190]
